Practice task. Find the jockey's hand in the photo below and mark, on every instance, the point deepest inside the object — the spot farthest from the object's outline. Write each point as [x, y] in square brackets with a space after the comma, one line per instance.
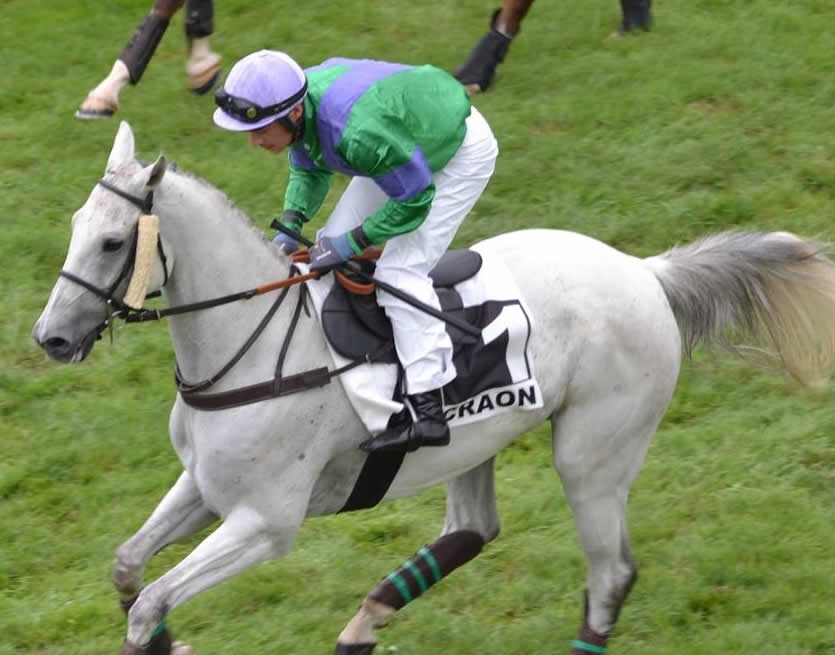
[294, 221]
[286, 243]
[330, 251]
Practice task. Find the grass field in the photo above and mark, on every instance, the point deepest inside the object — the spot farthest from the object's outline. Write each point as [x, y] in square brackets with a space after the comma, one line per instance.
[722, 116]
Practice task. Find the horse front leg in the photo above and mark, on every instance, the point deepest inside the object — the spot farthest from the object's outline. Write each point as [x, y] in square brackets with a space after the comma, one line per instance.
[103, 101]
[180, 514]
[471, 521]
[244, 539]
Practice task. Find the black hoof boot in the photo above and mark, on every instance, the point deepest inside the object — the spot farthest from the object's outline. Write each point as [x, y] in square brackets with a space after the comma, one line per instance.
[429, 429]
[478, 71]
[637, 15]
[354, 649]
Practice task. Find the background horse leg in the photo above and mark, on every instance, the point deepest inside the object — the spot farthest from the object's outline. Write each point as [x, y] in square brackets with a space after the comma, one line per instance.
[637, 15]
[477, 72]
[103, 101]
[471, 521]
[203, 65]
[599, 446]
[180, 514]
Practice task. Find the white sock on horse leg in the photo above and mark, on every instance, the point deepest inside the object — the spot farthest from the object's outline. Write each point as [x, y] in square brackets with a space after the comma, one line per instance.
[360, 629]
[200, 48]
[110, 86]
[201, 60]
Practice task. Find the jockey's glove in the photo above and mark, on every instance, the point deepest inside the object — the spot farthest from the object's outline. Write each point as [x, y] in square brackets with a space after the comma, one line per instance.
[331, 251]
[293, 220]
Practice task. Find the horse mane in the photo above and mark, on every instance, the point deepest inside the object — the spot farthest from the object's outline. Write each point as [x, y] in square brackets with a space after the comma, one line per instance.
[223, 199]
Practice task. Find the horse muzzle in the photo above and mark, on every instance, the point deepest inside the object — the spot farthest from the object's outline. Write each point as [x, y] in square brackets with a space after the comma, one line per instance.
[66, 350]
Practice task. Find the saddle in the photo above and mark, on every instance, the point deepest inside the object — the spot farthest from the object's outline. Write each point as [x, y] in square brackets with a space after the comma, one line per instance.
[356, 326]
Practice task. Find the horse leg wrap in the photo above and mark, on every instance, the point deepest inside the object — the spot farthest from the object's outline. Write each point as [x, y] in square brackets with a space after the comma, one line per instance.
[637, 14]
[588, 641]
[161, 640]
[141, 46]
[427, 567]
[199, 20]
[480, 67]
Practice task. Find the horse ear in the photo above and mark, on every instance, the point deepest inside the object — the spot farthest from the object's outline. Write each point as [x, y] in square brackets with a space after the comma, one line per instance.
[150, 176]
[124, 148]
[157, 171]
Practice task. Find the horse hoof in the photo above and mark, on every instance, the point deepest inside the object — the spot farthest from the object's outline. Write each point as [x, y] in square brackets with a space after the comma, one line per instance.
[203, 73]
[180, 648]
[208, 86]
[354, 649]
[95, 108]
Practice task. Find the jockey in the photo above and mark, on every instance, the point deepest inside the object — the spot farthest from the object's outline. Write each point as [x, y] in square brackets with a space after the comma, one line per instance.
[420, 156]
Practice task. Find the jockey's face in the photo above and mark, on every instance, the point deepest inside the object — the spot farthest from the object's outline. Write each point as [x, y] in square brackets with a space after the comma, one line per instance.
[275, 137]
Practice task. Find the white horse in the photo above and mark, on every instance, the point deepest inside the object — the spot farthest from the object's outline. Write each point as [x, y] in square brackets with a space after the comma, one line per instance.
[611, 330]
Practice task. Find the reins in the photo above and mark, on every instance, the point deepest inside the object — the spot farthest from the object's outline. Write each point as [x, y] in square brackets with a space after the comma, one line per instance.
[279, 386]
[142, 315]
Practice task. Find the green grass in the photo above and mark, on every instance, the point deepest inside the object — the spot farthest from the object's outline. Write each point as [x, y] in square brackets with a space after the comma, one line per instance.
[722, 116]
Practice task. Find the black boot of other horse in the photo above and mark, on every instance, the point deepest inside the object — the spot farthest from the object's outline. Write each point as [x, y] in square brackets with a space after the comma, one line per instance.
[478, 71]
[428, 429]
[637, 15]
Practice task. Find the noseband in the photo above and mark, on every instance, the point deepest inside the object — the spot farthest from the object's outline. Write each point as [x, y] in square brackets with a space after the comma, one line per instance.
[145, 205]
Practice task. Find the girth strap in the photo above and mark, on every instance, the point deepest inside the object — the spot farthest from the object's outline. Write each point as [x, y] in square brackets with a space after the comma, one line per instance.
[280, 385]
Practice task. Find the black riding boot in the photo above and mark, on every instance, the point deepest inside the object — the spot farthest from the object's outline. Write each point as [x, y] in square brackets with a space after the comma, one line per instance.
[478, 71]
[428, 429]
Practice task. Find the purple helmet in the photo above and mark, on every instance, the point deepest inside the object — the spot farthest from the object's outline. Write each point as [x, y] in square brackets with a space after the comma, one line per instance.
[261, 88]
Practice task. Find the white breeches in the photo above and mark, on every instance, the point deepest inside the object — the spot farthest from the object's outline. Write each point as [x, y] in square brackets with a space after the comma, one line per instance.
[422, 343]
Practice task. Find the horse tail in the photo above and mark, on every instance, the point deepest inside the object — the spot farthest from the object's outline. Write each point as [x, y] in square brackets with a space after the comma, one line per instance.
[768, 296]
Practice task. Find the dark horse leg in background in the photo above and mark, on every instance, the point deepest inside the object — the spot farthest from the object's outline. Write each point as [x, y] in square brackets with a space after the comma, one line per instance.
[637, 15]
[203, 65]
[479, 69]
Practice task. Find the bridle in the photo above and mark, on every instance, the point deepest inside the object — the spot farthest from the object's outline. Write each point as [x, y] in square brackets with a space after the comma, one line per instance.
[145, 205]
[280, 385]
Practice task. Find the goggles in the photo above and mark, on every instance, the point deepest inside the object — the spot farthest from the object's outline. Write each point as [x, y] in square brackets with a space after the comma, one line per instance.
[248, 112]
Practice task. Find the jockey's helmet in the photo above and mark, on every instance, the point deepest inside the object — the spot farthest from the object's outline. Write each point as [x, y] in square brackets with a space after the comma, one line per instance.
[260, 89]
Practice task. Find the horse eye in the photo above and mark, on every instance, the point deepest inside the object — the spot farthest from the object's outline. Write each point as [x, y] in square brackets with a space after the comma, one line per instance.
[112, 245]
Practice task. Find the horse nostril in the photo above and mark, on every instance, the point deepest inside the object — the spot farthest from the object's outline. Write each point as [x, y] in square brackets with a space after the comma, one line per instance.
[57, 348]
[55, 343]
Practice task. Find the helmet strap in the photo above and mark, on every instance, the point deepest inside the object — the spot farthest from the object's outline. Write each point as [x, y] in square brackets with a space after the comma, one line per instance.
[296, 128]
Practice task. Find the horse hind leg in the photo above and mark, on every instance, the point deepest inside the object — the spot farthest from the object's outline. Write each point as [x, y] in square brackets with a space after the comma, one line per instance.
[599, 448]
[103, 101]
[471, 521]
[203, 64]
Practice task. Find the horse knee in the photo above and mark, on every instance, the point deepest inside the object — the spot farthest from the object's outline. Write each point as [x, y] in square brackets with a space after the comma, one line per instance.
[127, 575]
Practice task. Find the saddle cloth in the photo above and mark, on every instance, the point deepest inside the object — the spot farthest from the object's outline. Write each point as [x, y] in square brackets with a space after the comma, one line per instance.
[495, 373]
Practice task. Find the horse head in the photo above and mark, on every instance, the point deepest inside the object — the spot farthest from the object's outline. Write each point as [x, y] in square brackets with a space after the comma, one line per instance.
[101, 259]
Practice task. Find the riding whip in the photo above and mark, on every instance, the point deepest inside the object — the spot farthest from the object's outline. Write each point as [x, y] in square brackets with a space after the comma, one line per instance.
[394, 291]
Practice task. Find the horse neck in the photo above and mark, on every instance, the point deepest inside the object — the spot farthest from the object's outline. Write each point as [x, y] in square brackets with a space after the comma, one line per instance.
[217, 252]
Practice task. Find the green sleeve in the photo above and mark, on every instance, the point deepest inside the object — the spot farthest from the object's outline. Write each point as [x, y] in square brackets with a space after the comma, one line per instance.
[381, 151]
[395, 218]
[307, 189]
